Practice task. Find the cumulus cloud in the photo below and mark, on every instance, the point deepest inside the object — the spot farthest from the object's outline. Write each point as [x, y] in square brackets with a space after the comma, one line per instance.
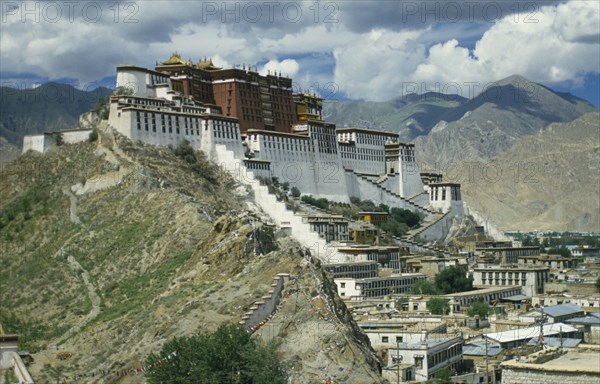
[287, 67]
[553, 45]
[366, 50]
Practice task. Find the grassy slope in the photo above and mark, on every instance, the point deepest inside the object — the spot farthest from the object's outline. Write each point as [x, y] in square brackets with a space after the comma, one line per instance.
[166, 251]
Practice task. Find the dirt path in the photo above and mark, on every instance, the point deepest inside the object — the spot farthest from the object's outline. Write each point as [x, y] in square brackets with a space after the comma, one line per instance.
[73, 206]
[92, 294]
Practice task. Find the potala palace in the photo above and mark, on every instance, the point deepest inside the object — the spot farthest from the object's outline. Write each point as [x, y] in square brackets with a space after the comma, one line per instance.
[271, 132]
[256, 127]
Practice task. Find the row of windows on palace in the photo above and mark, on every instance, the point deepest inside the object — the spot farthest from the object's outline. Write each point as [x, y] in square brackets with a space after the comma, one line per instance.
[363, 138]
[161, 106]
[352, 152]
[454, 191]
[221, 129]
[408, 155]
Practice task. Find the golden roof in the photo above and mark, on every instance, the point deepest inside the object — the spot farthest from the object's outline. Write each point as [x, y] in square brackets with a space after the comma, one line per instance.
[207, 65]
[176, 59]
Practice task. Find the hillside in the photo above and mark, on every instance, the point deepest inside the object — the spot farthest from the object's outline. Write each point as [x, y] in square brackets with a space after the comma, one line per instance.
[547, 181]
[110, 249]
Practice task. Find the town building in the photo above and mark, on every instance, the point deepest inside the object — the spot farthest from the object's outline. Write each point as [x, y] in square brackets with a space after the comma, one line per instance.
[386, 256]
[531, 279]
[508, 255]
[582, 252]
[385, 334]
[554, 314]
[360, 289]
[428, 357]
[516, 337]
[589, 325]
[460, 301]
[329, 227]
[554, 365]
[353, 270]
[376, 218]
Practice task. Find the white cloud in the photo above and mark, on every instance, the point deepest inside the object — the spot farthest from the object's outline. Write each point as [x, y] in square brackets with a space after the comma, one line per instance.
[377, 64]
[287, 67]
[375, 60]
[553, 45]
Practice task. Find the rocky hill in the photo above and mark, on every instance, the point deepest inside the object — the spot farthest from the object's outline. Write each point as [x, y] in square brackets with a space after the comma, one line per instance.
[110, 248]
[547, 181]
[490, 123]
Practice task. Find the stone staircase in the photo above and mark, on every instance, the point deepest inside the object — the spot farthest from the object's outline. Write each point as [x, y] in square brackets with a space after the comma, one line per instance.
[277, 210]
[406, 202]
[301, 231]
[431, 218]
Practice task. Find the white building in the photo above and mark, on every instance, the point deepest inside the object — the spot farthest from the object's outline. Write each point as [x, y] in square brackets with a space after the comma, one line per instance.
[428, 357]
[519, 336]
[42, 142]
[531, 279]
[360, 289]
[385, 334]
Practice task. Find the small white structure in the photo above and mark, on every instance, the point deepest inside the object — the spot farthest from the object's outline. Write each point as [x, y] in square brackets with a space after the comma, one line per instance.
[41, 143]
[428, 357]
[445, 196]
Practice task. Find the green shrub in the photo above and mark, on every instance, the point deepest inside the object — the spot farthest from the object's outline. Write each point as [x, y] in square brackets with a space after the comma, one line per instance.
[94, 135]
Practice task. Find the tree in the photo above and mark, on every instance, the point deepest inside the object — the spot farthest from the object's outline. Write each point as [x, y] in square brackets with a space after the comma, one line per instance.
[228, 355]
[453, 279]
[438, 306]
[295, 192]
[58, 138]
[479, 308]
[424, 287]
[443, 376]
[94, 135]
[124, 91]
[598, 285]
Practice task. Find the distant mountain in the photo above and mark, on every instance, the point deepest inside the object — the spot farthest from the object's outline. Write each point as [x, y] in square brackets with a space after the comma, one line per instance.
[410, 116]
[548, 181]
[448, 128]
[49, 107]
[491, 122]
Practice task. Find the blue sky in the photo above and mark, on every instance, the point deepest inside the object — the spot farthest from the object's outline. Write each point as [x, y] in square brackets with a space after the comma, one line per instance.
[339, 49]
